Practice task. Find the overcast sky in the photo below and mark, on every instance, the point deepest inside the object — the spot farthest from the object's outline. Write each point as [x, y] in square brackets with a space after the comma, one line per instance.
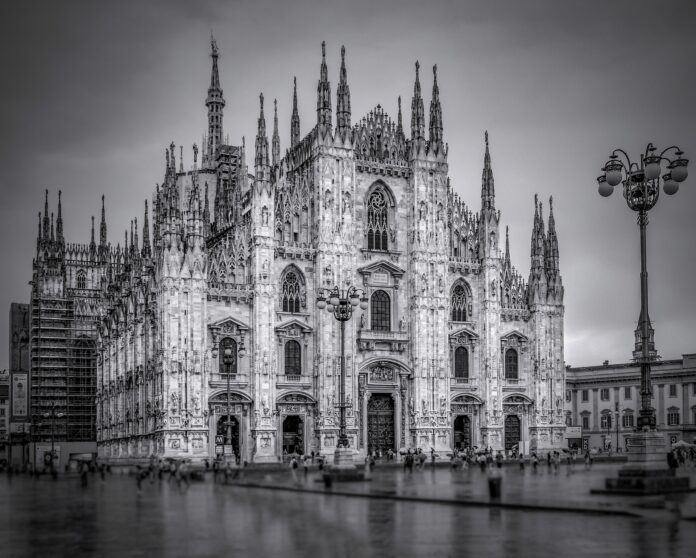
[92, 92]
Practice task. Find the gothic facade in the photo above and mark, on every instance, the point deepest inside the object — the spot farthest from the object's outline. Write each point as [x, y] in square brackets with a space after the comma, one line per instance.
[210, 338]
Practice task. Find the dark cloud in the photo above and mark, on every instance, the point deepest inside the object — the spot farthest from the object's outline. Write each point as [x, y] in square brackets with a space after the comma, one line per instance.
[92, 92]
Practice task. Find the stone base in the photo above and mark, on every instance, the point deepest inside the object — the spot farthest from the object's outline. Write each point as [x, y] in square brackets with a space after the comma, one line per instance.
[646, 471]
[343, 459]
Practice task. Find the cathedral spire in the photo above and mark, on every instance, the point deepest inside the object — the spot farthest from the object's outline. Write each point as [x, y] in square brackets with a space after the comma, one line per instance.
[487, 184]
[59, 219]
[435, 116]
[551, 244]
[276, 139]
[147, 251]
[295, 119]
[506, 262]
[324, 93]
[399, 120]
[92, 243]
[39, 236]
[102, 226]
[45, 219]
[417, 111]
[343, 100]
[215, 104]
[261, 158]
[53, 238]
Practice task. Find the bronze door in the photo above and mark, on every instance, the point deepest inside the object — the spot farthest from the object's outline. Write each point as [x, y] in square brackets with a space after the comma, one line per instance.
[231, 436]
[293, 430]
[512, 431]
[380, 422]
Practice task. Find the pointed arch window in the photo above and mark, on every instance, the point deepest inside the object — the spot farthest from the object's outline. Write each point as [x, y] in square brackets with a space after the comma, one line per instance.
[461, 363]
[511, 362]
[293, 359]
[380, 311]
[377, 221]
[459, 304]
[81, 280]
[291, 293]
[228, 357]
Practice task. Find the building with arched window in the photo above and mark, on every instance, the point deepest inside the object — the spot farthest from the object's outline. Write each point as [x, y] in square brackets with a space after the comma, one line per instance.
[210, 330]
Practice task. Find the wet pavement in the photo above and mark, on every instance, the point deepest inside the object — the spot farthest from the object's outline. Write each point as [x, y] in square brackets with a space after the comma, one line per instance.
[112, 518]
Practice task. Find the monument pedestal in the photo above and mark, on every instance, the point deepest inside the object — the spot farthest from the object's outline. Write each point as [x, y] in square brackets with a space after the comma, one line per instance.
[344, 468]
[646, 471]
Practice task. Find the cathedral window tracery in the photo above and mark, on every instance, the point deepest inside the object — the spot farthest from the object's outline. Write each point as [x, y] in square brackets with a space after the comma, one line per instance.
[459, 303]
[377, 221]
[81, 280]
[380, 311]
[292, 292]
[228, 357]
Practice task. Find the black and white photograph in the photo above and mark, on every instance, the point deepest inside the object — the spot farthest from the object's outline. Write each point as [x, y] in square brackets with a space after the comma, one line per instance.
[321, 278]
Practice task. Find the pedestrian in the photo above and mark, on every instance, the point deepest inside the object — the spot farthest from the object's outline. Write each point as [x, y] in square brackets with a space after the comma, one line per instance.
[312, 456]
[305, 464]
[499, 459]
[138, 478]
[548, 460]
[535, 462]
[520, 458]
[293, 470]
[216, 470]
[432, 456]
[83, 474]
[102, 472]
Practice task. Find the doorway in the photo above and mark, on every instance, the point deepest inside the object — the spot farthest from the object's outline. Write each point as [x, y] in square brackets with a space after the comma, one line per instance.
[230, 436]
[462, 432]
[293, 435]
[512, 431]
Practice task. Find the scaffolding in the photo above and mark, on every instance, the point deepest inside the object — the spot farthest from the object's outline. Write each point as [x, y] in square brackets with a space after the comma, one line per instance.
[63, 371]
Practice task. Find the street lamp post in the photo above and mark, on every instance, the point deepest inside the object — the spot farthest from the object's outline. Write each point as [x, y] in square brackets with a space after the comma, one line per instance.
[227, 360]
[52, 415]
[341, 303]
[641, 190]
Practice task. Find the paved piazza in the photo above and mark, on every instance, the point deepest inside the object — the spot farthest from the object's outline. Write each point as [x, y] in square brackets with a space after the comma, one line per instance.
[113, 518]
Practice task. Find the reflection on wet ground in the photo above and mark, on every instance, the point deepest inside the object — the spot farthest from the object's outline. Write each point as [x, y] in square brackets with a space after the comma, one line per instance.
[111, 518]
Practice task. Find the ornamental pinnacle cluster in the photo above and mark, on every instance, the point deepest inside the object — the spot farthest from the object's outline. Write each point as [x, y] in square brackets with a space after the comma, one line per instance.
[219, 288]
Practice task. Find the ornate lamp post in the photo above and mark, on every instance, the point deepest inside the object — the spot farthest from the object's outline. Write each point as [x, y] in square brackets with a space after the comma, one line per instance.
[52, 415]
[641, 190]
[341, 303]
[228, 359]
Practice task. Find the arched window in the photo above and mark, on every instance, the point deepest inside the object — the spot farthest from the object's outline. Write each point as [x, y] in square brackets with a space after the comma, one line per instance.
[228, 356]
[461, 363]
[459, 304]
[511, 364]
[291, 293]
[377, 221]
[81, 280]
[380, 311]
[605, 420]
[293, 359]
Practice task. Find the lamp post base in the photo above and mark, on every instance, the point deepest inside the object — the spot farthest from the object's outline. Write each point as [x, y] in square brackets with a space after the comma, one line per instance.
[646, 471]
[344, 468]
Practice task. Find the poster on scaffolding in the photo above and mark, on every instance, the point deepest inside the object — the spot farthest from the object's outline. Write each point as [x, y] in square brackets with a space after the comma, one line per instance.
[19, 395]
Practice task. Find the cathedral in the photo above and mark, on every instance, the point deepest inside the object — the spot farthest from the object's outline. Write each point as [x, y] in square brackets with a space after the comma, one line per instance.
[207, 334]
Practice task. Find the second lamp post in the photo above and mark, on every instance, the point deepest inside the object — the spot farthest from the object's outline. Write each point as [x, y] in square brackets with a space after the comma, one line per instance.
[341, 303]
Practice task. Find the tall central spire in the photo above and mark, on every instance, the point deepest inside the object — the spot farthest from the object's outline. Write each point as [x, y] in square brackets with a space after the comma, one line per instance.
[324, 94]
[343, 100]
[215, 103]
[295, 119]
[417, 111]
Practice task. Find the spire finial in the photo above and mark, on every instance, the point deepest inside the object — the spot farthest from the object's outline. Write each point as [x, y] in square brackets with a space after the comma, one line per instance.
[343, 110]
[275, 148]
[417, 111]
[91, 243]
[323, 50]
[295, 118]
[323, 93]
[486, 137]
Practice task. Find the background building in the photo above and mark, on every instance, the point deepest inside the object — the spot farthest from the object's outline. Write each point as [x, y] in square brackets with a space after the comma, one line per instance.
[604, 401]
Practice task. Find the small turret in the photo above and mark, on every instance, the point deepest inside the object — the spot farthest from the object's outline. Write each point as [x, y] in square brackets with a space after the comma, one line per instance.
[417, 113]
[261, 157]
[323, 95]
[436, 146]
[59, 221]
[276, 139]
[295, 119]
[147, 250]
[92, 243]
[487, 183]
[215, 104]
[343, 101]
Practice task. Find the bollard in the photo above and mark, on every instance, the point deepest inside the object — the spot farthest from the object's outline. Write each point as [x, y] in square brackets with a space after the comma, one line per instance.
[494, 487]
[328, 480]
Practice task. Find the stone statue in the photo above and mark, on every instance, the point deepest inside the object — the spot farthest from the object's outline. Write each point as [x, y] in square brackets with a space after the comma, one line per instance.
[401, 324]
[362, 320]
